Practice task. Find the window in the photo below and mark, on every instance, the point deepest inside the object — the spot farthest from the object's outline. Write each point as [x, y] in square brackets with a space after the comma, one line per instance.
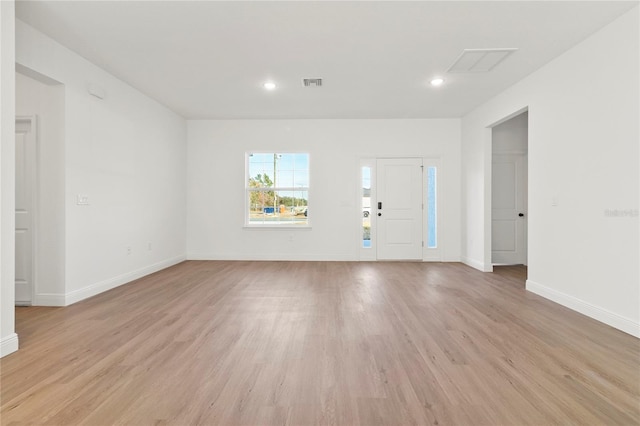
[277, 189]
[366, 207]
[432, 208]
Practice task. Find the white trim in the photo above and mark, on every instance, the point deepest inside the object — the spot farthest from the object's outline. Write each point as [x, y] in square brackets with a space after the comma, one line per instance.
[293, 257]
[8, 344]
[49, 299]
[614, 320]
[435, 258]
[476, 264]
[278, 226]
[488, 207]
[100, 287]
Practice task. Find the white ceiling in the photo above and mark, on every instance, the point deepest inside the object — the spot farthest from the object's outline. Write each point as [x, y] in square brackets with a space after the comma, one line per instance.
[209, 59]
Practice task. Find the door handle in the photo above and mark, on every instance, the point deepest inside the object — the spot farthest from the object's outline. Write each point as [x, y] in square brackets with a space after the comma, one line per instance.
[379, 205]
[521, 214]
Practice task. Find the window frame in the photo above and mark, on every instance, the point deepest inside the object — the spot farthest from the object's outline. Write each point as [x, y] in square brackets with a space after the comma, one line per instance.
[432, 254]
[367, 253]
[248, 190]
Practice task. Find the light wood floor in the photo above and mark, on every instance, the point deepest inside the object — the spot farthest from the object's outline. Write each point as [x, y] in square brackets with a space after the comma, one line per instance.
[261, 343]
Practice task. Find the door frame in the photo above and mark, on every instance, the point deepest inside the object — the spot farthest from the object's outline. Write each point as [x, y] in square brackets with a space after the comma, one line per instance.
[370, 254]
[488, 174]
[32, 122]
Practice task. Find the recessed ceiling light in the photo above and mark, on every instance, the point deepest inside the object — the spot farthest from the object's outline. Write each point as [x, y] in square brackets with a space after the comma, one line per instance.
[437, 82]
[269, 85]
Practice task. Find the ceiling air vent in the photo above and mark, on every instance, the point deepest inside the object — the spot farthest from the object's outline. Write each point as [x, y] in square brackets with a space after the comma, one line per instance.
[312, 82]
[479, 60]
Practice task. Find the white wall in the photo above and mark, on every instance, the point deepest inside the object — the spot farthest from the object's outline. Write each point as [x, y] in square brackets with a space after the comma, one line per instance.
[216, 175]
[512, 135]
[127, 153]
[8, 337]
[46, 102]
[583, 150]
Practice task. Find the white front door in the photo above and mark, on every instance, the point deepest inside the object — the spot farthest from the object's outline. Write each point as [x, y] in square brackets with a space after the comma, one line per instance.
[508, 209]
[398, 212]
[25, 184]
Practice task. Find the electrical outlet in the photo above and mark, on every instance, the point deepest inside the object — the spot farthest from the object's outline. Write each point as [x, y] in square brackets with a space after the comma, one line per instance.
[82, 200]
[128, 250]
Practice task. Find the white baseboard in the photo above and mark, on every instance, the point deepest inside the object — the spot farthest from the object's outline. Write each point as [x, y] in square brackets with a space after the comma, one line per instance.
[101, 287]
[592, 311]
[295, 257]
[49, 299]
[431, 259]
[275, 257]
[476, 264]
[8, 344]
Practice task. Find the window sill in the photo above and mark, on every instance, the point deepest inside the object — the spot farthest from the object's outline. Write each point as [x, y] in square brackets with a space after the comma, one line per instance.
[277, 227]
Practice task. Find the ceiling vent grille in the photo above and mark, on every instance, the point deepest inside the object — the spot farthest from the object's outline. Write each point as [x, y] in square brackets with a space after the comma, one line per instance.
[479, 60]
[312, 82]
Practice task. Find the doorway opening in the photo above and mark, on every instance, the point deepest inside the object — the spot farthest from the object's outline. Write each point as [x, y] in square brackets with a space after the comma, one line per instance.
[40, 190]
[509, 191]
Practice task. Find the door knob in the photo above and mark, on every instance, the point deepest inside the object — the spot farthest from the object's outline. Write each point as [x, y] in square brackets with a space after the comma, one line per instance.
[379, 214]
[521, 214]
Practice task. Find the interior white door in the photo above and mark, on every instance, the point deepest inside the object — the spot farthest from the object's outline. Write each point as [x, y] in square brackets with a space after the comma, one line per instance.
[508, 214]
[399, 208]
[25, 184]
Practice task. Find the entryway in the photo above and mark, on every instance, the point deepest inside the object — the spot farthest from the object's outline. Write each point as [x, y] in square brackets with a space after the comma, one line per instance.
[399, 209]
[39, 190]
[509, 192]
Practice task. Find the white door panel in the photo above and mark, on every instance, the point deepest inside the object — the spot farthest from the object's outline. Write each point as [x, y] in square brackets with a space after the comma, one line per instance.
[25, 184]
[399, 209]
[399, 231]
[508, 209]
[504, 176]
[504, 235]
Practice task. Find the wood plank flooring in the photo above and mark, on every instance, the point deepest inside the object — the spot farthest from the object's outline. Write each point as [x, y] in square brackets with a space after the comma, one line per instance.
[261, 343]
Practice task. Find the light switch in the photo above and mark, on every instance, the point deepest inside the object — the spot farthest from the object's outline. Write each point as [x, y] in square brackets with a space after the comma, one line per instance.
[82, 200]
